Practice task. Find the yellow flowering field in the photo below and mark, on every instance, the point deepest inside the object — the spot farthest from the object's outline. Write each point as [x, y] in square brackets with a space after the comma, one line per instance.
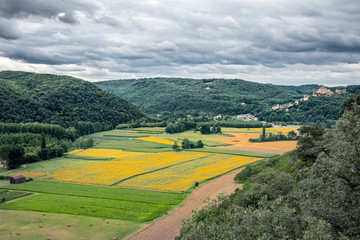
[181, 177]
[111, 172]
[73, 152]
[104, 153]
[32, 174]
[156, 140]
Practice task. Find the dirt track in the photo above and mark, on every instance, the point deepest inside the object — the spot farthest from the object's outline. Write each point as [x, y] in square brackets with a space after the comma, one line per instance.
[169, 227]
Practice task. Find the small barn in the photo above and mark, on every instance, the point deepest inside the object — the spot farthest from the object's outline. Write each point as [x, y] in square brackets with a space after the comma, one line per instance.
[17, 179]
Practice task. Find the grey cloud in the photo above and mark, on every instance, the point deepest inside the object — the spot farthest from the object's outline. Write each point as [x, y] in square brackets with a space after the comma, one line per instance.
[44, 8]
[199, 38]
[8, 30]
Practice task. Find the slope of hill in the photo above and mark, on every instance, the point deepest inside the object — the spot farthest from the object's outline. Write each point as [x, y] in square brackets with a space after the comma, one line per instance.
[228, 96]
[63, 100]
[214, 96]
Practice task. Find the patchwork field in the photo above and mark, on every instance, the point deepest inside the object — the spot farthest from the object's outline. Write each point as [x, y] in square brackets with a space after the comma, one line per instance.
[181, 177]
[131, 175]
[240, 141]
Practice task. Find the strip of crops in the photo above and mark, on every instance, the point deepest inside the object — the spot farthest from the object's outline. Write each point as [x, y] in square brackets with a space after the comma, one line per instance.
[99, 192]
[235, 152]
[181, 177]
[109, 173]
[96, 207]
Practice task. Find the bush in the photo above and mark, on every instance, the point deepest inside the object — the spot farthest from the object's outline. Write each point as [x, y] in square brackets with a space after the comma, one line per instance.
[31, 157]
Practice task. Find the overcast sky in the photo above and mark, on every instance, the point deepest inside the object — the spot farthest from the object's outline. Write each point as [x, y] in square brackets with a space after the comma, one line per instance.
[289, 42]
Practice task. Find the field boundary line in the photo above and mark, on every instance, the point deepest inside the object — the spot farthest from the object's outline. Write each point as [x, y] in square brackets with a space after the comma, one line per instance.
[158, 169]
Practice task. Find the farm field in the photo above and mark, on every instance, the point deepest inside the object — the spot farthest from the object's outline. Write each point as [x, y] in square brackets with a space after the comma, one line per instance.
[131, 175]
[54, 226]
[87, 206]
[240, 141]
[181, 177]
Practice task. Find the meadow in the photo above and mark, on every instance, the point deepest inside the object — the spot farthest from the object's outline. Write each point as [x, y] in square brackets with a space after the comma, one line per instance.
[55, 226]
[98, 192]
[87, 206]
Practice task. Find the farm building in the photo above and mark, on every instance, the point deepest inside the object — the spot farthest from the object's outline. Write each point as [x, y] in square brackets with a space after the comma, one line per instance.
[17, 179]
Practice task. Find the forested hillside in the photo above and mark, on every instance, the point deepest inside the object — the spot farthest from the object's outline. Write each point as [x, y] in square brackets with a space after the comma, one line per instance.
[312, 193]
[29, 97]
[210, 96]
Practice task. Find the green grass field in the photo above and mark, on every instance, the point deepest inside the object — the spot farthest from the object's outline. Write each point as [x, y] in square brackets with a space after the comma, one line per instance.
[86, 206]
[234, 152]
[99, 192]
[8, 195]
[134, 145]
[54, 226]
[54, 164]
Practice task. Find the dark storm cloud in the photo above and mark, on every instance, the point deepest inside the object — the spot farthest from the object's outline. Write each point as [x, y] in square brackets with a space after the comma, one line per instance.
[253, 39]
[62, 10]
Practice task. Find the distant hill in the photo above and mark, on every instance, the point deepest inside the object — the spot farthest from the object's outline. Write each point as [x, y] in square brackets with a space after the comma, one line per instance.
[228, 96]
[215, 96]
[63, 100]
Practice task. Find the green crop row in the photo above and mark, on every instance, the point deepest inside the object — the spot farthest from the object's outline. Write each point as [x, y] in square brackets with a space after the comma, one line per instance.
[96, 207]
[99, 192]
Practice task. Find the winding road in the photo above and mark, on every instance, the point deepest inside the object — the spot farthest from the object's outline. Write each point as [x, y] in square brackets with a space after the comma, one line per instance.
[169, 227]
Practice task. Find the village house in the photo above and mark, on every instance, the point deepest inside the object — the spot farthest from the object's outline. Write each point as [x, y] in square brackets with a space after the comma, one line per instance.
[218, 117]
[17, 179]
[246, 117]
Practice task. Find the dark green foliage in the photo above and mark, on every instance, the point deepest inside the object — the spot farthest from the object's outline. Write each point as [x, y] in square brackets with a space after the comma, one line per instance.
[43, 140]
[39, 128]
[205, 129]
[180, 127]
[216, 129]
[316, 109]
[176, 147]
[50, 152]
[199, 144]
[30, 158]
[15, 156]
[234, 124]
[275, 137]
[310, 145]
[6, 196]
[263, 134]
[320, 201]
[63, 100]
[349, 104]
[190, 96]
[277, 164]
[270, 185]
[83, 143]
[187, 144]
[330, 190]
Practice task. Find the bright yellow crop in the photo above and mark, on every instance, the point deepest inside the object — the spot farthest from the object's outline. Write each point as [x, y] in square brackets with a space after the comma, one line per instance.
[104, 153]
[156, 140]
[111, 172]
[181, 177]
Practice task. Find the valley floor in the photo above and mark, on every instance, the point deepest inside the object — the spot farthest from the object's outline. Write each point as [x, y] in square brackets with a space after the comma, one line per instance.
[169, 226]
